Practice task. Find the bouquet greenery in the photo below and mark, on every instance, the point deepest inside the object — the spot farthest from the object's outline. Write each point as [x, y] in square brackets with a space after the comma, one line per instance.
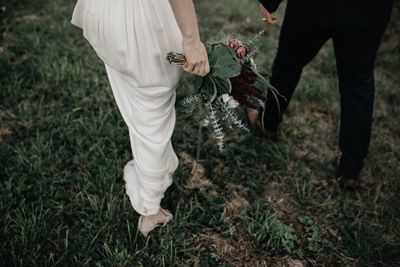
[233, 80]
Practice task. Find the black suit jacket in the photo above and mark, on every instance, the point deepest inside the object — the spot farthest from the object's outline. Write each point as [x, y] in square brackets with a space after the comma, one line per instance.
[335, 14]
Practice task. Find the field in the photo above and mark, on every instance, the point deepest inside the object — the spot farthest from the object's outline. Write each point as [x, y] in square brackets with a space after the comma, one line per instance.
[63, 145]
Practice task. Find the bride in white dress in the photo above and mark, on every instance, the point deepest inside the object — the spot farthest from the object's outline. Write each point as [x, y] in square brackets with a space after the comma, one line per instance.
[132, 38]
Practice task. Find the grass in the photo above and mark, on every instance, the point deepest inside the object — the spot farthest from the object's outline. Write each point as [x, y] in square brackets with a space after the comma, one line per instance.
[63, 145]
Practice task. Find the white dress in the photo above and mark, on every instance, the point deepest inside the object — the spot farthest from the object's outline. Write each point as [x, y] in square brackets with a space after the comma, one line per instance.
[132, 37]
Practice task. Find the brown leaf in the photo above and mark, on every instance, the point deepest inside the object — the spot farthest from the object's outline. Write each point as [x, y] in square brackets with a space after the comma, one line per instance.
[235, 205]
[186, 158]
[335, 233]
[198, 180]
[5, 131]
[31, 18]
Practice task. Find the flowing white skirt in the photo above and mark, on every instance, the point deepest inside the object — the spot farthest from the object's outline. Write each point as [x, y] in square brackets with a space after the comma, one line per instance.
[132, 37]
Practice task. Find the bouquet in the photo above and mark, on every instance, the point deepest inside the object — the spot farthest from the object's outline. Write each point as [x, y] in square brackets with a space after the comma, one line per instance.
[233, 81]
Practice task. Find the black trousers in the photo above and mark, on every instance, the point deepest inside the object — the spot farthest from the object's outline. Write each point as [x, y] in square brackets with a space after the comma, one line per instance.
[355, 52]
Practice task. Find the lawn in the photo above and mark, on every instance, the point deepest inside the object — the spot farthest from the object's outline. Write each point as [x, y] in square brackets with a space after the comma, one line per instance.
[63, 145]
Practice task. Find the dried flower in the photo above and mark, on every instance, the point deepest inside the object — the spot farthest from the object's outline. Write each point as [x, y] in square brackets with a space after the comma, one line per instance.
[230, 101]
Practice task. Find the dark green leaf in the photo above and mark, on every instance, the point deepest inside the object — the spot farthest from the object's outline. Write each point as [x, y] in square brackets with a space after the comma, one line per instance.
[223, 86]
[209, 89]
[197, 82]
[223, 63]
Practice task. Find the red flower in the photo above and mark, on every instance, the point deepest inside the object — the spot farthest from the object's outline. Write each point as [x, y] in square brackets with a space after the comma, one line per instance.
[241, 51]
[233, 43]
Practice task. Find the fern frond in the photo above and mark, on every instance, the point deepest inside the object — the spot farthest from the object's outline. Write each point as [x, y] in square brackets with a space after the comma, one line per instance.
[191, 100]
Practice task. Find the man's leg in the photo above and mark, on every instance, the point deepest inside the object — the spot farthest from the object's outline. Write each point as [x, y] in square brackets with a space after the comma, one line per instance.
[297, 47]
[355, 56]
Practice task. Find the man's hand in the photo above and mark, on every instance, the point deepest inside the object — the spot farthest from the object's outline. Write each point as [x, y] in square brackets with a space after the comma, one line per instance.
[196, 57]
[268, 17]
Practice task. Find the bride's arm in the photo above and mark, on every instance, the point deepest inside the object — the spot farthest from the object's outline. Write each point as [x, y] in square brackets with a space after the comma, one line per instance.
[193, 48]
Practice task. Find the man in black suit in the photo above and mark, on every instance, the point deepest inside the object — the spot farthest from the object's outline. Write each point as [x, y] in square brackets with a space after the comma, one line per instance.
[356, 28]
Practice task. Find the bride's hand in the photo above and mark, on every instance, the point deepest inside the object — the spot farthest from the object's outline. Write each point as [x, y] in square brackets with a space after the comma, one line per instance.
[268, 17]
[196, 57]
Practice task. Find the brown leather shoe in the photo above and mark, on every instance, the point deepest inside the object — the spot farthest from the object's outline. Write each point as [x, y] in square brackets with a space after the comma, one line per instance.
[345, 182]
[254, 117]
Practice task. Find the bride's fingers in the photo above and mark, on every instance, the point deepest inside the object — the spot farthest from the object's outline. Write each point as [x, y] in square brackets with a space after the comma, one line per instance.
[197, 69]
[188, 66]
[203, 70]
[207, 68]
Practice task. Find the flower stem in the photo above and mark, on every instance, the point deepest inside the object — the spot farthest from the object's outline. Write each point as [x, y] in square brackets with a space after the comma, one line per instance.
[199, 134]
[176, 58]
[199, 139]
